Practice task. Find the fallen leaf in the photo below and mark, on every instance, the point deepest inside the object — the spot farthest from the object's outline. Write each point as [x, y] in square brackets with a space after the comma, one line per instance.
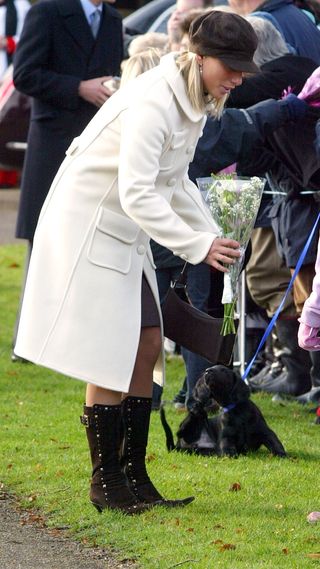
[9, 466]
[227, 546]
[218, 526]
[190, 529]
[13, 266]
[285, 550]
[177, 521]
[217, 541]
[235, 487]
[313, 555]
[150, 457]
[59, 473]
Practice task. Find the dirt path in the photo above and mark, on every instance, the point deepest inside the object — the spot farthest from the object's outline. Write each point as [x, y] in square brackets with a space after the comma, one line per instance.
[24, 544]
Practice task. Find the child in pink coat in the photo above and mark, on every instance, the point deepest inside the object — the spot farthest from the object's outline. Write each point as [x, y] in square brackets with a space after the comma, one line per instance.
[309, 329]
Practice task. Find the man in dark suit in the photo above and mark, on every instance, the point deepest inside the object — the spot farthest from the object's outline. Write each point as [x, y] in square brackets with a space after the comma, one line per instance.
[62, 60]
[62, 66]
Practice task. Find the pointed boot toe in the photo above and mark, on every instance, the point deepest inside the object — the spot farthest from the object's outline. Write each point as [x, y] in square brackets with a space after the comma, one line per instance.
[175, 503]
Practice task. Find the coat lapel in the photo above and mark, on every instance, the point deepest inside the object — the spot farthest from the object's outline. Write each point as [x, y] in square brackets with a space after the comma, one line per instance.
[176, 82]
[75, 22]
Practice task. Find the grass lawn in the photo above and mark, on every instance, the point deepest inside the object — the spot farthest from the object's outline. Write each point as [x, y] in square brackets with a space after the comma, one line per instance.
[44, 461]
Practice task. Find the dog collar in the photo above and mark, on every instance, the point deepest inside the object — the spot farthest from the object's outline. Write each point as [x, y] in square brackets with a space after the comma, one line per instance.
[229, 407]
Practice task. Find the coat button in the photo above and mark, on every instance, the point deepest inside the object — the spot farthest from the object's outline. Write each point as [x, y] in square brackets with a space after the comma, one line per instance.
[190, 149]
[172, 182]
[141, 250]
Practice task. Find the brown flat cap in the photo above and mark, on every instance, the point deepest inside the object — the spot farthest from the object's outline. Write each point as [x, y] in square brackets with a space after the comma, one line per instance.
[227, 36]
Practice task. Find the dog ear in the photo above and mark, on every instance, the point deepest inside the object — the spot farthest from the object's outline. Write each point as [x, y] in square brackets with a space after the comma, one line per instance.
[241, 391]
[201, 391]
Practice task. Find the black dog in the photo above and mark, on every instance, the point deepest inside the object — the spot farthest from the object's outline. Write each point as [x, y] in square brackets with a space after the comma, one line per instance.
[197, 434]
[240, 427]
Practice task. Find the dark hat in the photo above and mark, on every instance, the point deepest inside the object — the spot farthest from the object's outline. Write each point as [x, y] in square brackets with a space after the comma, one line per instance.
[227, 36]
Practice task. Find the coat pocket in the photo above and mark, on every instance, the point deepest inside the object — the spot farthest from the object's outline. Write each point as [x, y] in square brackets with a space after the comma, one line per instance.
[177, 141]
[112, 241]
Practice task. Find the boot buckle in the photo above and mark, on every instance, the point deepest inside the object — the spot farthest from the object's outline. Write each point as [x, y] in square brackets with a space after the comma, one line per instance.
[85, 420]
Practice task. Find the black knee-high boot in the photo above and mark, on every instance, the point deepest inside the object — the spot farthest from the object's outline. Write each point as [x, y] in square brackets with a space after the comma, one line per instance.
[109, 488]
[136, 418]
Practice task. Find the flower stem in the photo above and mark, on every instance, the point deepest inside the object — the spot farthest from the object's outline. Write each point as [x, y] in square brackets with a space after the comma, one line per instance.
[228, 326]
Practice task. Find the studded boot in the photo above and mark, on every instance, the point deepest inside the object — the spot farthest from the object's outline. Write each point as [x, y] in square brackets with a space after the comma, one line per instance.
[136, 418]
[109, 488]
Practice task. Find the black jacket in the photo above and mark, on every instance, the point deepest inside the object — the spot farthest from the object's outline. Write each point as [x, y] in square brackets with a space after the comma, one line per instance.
[275, 76]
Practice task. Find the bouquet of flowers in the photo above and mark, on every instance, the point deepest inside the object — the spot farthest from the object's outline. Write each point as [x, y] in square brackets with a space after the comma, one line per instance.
[233, 203]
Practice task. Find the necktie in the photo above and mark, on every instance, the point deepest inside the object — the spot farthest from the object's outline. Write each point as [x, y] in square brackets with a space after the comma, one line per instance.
[95, 22]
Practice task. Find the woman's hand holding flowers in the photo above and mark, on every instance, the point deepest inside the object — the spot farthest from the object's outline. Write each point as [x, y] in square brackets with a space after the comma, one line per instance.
[222, 250]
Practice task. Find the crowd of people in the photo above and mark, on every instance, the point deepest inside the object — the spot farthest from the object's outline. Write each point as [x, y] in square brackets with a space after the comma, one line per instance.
[111, 211]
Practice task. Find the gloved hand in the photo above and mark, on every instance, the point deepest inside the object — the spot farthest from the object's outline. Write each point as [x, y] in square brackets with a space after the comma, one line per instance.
[311, 89]
[308, 338]
[297, 107]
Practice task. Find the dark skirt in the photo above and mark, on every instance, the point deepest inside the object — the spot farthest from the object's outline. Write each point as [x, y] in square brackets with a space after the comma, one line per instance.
[149, 310]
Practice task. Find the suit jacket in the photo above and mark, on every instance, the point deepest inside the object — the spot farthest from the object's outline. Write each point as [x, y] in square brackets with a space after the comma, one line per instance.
[120, 184]
[56, 51]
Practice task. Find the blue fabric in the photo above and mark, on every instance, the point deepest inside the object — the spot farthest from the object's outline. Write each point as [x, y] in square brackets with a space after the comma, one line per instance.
[297, 107]
[297, 28]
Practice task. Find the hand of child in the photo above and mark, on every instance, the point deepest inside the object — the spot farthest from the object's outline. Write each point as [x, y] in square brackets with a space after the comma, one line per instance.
[308, 338]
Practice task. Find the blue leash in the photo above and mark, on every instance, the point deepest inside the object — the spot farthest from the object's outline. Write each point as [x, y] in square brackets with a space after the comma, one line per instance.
[275, 316]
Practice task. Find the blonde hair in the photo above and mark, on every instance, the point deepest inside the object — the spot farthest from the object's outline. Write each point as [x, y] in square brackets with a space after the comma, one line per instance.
[139, 63]
[190, 71]
[143, 42]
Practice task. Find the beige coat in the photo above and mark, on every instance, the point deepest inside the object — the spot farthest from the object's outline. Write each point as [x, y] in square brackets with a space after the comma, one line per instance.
[123, 181]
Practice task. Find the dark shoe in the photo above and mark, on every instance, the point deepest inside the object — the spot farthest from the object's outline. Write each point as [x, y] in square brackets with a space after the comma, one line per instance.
[136, 418]
[284, 385]
[268, 374]
[295, 380]
[312, 396]
[109, 488]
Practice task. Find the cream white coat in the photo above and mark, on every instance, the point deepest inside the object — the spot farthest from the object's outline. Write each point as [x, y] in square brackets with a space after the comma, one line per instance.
[123, 181]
